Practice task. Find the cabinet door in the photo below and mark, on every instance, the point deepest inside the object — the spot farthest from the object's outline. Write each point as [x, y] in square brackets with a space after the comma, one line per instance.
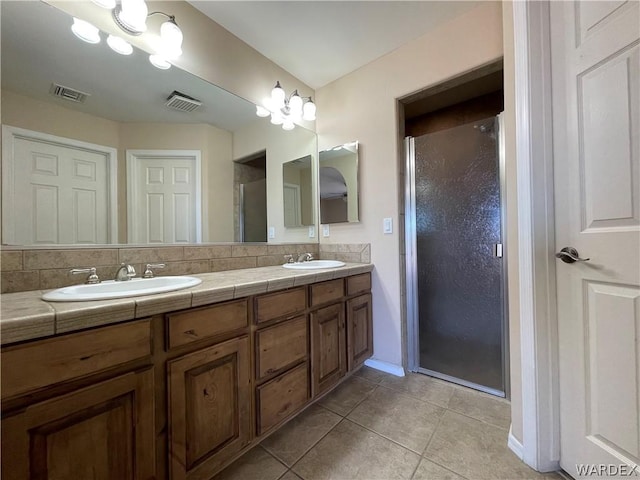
[102, 432]
[209, 408]
[328, 347]
[359, 330]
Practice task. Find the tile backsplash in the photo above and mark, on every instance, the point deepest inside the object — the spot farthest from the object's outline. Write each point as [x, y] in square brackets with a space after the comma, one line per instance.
[43, 269]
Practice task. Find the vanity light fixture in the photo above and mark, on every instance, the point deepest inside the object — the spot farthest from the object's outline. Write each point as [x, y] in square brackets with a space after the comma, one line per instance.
[85, 31]
[119, 45]
[131, 16]
[286, 111]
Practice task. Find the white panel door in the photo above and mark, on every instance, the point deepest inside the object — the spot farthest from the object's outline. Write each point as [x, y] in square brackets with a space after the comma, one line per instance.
[60, 194]
[164, 197]
[596, 102]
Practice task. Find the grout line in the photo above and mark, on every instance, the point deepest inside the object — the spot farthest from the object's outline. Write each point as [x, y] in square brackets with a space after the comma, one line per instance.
[305, 453]
[272, 456]
[478, 420]
[404, 392]
[383, 436]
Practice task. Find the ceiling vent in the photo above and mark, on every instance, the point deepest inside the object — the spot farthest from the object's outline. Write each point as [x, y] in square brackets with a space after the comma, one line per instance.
[68, 93]
[182, 102]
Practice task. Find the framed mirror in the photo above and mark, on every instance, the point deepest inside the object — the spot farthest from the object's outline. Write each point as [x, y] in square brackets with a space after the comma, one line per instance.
[297, 192]
[338, 174]
[106, 155]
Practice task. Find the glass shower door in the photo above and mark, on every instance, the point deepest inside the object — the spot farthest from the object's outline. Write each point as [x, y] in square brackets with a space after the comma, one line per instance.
[460, 289]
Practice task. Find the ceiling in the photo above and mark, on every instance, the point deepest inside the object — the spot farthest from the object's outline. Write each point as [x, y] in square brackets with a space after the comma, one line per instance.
[38, 49]
[321, 41]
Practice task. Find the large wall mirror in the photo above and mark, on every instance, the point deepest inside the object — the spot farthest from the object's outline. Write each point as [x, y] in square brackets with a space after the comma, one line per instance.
[103, 148]
[338, 173]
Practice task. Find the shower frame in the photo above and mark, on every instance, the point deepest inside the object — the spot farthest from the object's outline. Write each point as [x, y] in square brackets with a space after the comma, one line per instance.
[411, 269]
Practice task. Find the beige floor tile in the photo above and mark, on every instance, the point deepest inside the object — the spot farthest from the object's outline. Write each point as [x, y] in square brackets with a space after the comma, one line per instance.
[399, 417]
[345, 398]
[482, 406]
[256, 464]
[475, 450]
[294, 439]
[427, 470]
[421, 387]
[371, 374]
[290, 476]
[354, 453]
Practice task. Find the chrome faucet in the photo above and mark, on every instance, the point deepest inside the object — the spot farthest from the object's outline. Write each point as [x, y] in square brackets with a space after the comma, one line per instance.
[148, 272]
[92, 278]
[125, 272]
[305, 257]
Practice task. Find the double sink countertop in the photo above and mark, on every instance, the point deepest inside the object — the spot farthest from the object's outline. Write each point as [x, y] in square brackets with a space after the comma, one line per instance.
[25, 316]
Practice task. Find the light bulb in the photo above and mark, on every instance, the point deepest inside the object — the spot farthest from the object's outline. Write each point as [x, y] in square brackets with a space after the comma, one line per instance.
[261, 111]
[171, 39]
[309, 111]
[278, 96]
[110, 4]
[133, 15]
[276, 119]
[159, 62]
[85, 31]
[288, 125]
[295, 104]
[119, 45]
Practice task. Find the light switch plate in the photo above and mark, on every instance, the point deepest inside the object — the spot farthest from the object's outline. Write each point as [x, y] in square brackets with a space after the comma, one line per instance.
[312, 231]
[272, 232]
[387, 225]
[325, 230]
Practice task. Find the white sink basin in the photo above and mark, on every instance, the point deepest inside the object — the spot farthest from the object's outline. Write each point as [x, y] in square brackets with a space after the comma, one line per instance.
[112, 289]
[314, 264]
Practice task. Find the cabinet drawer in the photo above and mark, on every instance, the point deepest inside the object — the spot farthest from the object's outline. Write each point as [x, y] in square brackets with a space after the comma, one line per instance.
[197, 324]
[358, 283]
[280, 346]
[282, 397]
[281, 304]
[327, 291]
[37, 364]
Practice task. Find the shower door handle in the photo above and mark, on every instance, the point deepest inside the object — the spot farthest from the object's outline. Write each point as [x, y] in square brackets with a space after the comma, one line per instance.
[497, 250]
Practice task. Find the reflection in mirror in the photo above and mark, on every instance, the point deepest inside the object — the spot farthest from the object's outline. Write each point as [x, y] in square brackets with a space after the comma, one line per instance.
[88, 159]
[339, 184]
[297, 192]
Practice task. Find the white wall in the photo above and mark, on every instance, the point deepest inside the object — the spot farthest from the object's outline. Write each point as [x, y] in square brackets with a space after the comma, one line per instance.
[281, 146]
[362, 106]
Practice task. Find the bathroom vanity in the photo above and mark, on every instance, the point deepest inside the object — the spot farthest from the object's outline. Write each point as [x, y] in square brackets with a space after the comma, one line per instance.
[180, 392]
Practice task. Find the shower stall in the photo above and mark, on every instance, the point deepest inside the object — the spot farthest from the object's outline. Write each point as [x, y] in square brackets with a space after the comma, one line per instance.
[455, 263]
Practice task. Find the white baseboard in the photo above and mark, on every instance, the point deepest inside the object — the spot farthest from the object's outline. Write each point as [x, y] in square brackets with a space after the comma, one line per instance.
[515, 445]
[387, 367]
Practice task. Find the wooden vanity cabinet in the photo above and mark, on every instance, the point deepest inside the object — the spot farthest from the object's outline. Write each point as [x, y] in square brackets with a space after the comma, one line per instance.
[182, 394]
[359, 331]
[209, 408]
[73, 408]
[281, 341]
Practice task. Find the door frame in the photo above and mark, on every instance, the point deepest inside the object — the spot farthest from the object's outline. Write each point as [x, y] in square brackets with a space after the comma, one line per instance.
[134, 156]
[540, 444]
[9, 136]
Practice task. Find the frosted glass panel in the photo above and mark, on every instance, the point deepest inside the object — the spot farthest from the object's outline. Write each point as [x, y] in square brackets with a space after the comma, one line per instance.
[458, 224]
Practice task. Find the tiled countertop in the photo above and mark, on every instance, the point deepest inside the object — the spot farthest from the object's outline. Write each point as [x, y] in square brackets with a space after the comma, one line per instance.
[25, 316]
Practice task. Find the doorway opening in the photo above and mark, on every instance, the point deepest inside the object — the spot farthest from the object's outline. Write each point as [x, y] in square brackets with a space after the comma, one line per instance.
[455, 270]
[250, 198]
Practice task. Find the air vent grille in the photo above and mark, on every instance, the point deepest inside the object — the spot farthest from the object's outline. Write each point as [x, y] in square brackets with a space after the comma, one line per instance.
[68, 93]
[182, 102]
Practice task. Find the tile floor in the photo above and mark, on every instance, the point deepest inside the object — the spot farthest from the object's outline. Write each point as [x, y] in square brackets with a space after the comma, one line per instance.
[377, 426]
